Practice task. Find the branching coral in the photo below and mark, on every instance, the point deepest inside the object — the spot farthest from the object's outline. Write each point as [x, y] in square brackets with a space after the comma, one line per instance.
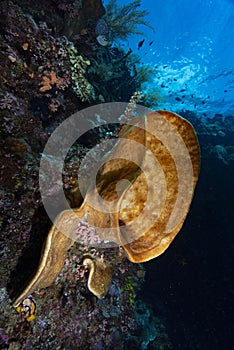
[82, 88]
[145, 73]
[124, 20]
[48, 82]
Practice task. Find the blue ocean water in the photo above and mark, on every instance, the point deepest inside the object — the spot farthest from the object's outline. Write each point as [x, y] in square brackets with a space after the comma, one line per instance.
[192, 52]
[191, 285]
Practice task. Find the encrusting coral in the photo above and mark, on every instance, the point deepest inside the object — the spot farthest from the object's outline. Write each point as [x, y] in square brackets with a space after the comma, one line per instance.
[163, 215]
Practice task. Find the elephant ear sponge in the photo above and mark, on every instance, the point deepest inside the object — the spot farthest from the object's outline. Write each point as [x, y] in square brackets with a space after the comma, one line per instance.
[100, 276]
[158, 158]
[153, 209]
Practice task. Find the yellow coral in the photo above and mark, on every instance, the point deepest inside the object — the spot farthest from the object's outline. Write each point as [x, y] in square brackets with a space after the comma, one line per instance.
[129, 286]
[82, 88]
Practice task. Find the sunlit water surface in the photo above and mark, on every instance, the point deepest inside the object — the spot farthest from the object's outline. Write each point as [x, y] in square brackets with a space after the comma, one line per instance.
[192, 52]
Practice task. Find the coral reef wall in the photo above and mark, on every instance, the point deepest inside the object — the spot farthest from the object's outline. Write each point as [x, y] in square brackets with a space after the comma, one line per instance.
[58, 57]
[53, 63]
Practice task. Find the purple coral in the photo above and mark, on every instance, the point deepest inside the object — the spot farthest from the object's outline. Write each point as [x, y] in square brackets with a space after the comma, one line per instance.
[87, 234]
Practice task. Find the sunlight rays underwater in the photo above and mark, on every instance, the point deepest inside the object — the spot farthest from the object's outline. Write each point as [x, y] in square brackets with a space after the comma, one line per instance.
[192, 53]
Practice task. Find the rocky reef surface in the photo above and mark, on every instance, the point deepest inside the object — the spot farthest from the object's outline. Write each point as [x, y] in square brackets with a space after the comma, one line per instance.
[52, 65]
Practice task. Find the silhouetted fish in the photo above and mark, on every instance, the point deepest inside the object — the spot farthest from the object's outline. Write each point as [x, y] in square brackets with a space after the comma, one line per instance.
[140, 43]
[151, 43]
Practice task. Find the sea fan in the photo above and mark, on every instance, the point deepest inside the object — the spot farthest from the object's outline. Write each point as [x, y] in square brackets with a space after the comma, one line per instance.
[124, 20]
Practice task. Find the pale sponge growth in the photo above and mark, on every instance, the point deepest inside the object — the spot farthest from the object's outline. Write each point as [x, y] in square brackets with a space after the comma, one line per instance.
[78, 66]
[100, 276]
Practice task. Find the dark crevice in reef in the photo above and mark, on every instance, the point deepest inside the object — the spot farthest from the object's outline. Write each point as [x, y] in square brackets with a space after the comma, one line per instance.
[30, 258]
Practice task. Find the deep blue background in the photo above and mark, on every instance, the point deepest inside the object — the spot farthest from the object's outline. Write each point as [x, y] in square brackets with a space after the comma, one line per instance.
[190, 286]
[195, 39]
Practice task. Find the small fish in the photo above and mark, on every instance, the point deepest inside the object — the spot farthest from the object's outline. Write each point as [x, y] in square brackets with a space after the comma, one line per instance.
[175, 79]
[225, 90]
[178, 99]
[182, 90]
[165, 67]
[140, 43]
[151, 43]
